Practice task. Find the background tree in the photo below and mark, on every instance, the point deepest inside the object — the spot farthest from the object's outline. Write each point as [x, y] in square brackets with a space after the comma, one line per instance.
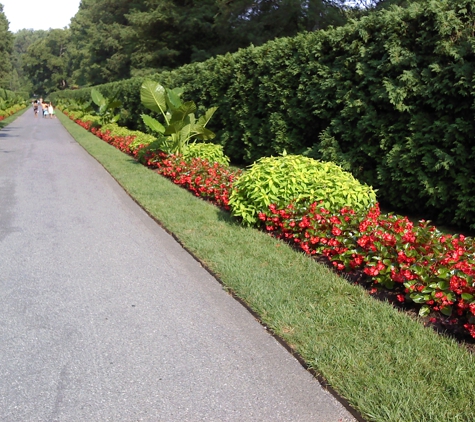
[242, 22]
[169, 33]
[110, 40]
[21, 41]
[99, 34]
[46, 62]
[6, 48]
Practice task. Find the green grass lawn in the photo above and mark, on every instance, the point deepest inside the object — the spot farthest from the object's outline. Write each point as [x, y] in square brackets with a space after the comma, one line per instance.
[387, 365]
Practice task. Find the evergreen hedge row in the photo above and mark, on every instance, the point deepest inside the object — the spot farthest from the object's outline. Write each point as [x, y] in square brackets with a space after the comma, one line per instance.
[389, 97]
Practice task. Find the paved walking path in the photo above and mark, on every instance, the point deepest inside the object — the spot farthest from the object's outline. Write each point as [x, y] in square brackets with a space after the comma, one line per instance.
[104, 317]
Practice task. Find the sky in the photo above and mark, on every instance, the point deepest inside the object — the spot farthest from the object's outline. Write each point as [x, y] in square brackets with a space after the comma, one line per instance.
[39, 14]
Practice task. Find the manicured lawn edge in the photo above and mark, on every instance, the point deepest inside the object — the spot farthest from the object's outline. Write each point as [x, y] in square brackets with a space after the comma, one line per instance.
[389, 367]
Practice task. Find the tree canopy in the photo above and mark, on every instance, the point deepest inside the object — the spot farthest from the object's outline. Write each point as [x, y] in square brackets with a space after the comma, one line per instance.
[110, 40]
[6, 49]
[46, 61]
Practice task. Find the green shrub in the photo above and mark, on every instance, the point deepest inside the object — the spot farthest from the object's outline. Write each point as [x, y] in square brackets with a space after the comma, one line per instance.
[388, 97]
[75, 114]
[140, 137]
[90, 118]
[210, 152]
[294, 178]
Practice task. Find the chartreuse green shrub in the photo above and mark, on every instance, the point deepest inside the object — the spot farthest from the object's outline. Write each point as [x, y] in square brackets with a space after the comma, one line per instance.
[95, 120]
[140, 137]
[76, 114]
[210, 152]
[283, 180]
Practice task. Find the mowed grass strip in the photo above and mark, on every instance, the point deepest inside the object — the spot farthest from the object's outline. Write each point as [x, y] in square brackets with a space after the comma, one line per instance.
[388, 366]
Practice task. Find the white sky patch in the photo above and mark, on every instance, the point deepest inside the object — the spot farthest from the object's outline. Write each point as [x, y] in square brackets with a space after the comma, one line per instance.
[39, 14]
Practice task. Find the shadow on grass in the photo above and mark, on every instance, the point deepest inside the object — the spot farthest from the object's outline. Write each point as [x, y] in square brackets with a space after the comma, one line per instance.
[226, 217]
[132, 160]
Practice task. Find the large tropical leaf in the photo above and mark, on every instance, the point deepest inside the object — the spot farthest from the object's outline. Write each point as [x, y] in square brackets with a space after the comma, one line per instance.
[173, 98]
[203, 120]
[174, 128]
[114, 104]
[184, 110]
[203, 134]
[185, 133]
[97, 97]
[153, 124]
[153, 96]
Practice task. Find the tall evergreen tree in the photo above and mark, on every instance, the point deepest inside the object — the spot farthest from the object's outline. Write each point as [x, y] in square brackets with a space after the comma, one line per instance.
[101, 51]
[116, 39]
[46, 62]
[21, 41]
[170, 33]
[6, 48]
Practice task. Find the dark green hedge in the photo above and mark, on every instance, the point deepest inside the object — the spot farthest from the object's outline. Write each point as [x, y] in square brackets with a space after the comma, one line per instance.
[389, 97]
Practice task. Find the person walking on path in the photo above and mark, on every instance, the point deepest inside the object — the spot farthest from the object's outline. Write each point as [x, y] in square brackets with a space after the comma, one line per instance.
[51, 111]
[44, 107]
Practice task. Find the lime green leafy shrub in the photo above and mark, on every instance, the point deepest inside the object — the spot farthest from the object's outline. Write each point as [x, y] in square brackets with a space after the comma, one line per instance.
[76, 114]
[294, 178]
[140, 137]
[95, 120]
[210, 152]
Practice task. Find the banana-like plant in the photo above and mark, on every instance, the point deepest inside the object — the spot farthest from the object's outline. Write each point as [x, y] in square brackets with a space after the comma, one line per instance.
[180, 124]
[74, 105]
[8, 99]
[106, 107]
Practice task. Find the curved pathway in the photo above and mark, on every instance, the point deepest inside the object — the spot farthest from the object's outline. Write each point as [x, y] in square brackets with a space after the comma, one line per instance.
[104, 317]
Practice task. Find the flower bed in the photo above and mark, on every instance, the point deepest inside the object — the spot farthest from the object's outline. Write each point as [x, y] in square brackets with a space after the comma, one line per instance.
[431, 271]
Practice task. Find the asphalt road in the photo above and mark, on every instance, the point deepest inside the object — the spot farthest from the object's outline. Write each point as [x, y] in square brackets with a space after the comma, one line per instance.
[104, 317]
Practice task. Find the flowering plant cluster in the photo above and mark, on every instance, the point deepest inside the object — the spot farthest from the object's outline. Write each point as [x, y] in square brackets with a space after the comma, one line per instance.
[425, 267]
[431, 269]
[123, 143]
[85, 124]
[210, 181]
[9, 111]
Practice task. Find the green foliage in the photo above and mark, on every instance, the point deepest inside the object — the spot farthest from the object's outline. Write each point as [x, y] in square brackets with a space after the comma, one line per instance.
[181, 125]
[6, 49]
[140, 137]
[9, 99]
[389, 97]
[115, 39]
[46, 61]
[293, 178]
[76, 114]
[210, 152]
[19, 80]
[106, 107]
[95, 120]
